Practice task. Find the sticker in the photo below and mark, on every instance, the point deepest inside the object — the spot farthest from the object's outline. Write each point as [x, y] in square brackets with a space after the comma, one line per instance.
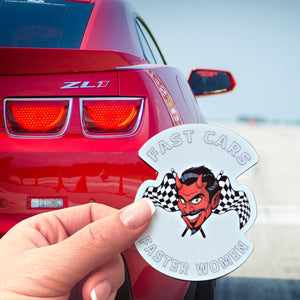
[197, 232]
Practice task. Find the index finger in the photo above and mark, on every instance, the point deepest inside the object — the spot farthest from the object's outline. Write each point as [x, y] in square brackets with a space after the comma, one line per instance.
[98, 242]
[77, 217]
[52, 227]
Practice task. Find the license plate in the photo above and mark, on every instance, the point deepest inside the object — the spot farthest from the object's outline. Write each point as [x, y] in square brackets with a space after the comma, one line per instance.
[46, 203]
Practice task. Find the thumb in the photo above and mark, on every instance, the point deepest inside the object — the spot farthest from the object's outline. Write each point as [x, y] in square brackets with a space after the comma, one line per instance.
[100, 241]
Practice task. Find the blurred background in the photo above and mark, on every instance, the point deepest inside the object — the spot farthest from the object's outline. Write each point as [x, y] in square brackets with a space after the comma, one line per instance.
[259, 42]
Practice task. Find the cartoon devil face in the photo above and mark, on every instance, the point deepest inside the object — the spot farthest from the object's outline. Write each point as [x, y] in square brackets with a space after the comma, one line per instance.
[194, 202]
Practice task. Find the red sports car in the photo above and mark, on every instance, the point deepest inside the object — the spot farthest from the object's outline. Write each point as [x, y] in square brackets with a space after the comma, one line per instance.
[83, 85]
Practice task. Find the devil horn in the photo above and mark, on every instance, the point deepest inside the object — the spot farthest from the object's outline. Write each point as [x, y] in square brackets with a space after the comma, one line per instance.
[178, 183]
[199, 182]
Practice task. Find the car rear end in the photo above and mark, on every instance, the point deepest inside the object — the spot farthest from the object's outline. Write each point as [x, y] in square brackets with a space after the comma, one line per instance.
[72, 122]
[72, 138]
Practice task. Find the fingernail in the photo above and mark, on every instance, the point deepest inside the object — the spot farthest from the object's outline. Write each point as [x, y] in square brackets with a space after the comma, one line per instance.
[137, 214]
[101, 291]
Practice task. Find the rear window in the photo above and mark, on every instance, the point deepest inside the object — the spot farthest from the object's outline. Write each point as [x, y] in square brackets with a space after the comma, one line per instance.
[43, 23]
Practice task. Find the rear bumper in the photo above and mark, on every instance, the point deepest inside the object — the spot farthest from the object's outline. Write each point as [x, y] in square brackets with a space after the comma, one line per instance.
[108, 177]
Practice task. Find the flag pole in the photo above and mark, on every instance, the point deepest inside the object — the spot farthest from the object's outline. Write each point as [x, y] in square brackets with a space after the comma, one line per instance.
[186, 229]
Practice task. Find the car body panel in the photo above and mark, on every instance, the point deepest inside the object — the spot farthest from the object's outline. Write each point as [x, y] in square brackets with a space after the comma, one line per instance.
[28, 61]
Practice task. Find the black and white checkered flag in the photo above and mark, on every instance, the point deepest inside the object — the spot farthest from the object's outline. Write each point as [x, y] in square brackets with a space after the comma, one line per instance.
[165, 196]
[232, 200]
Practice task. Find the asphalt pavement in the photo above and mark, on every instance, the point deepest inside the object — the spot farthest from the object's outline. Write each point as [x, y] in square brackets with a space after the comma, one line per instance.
[234, 288]
[273, 269]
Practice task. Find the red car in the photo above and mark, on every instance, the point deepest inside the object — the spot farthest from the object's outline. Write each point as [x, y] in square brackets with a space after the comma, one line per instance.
[83, 85]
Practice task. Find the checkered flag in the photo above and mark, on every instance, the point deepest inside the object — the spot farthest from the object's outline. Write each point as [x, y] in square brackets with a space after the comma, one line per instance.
[232, 200]
[165, 195]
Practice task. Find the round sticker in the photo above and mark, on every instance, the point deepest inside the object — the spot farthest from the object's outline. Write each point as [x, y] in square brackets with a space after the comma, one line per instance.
[197, 232]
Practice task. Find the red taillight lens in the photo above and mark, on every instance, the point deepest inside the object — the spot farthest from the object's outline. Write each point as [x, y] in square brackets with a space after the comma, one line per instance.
[112, 117]
[36, 117]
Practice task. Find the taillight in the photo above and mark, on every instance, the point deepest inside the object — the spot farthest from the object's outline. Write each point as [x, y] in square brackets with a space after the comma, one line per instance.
[105, 116]
[37, 117]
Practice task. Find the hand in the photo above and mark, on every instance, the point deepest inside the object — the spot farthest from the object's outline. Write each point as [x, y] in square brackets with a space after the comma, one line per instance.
[45, 256]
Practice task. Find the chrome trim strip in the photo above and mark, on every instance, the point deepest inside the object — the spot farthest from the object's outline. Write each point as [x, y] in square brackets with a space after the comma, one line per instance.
[47, 135]
[103, 136]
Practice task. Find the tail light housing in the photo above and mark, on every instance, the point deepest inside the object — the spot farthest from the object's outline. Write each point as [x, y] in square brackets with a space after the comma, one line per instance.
[102, 117]
[37, 117]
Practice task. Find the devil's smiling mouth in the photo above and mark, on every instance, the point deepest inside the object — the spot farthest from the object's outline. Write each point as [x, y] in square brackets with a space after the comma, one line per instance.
[193, 215]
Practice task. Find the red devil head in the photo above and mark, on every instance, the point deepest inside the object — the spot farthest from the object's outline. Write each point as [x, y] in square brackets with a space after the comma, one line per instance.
[199, 193]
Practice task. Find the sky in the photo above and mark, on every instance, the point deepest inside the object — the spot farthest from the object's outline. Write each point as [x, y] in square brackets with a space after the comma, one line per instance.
[258, 41]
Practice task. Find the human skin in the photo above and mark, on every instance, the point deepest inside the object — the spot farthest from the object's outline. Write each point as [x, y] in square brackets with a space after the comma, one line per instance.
[47, 255]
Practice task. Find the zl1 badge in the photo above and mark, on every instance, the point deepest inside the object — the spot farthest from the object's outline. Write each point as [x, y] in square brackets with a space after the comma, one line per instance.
[197, 232]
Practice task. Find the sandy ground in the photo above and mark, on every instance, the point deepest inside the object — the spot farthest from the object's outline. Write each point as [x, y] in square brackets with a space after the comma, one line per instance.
[274, 181]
